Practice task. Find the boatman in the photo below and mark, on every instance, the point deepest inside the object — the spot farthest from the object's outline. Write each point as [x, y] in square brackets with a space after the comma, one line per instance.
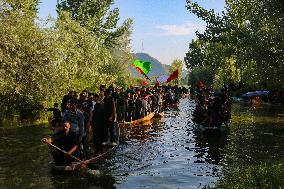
[66, 141]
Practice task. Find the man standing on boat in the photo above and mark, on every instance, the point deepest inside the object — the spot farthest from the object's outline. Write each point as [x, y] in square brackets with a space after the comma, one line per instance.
[110, 115]
[98, 124]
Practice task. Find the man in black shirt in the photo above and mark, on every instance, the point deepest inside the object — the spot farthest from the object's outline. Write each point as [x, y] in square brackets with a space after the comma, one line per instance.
[110, 115]
[66, 141]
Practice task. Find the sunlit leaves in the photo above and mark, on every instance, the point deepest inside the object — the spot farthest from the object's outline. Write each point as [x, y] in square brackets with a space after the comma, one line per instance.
[40, 64]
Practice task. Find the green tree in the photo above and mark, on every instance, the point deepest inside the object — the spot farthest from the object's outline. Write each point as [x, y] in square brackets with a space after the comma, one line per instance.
[96, 16]
[249, 35]
[25, 58]
[40, 63]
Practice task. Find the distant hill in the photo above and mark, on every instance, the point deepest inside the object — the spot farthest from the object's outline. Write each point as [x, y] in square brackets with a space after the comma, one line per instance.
[157, 67]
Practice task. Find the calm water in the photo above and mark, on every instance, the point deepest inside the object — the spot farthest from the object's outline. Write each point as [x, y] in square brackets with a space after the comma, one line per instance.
[163, 154]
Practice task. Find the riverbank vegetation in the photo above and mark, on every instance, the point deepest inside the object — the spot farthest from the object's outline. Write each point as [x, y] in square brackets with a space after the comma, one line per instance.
[41, 60]
[243, 45]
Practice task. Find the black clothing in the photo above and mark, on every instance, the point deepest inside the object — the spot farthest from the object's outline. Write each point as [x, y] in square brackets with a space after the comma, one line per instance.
[138, 108]
[110, 117]
[57, 118]
[110, 108]
[66, 143]
[64, 102]
[99, 127]
[56, 113]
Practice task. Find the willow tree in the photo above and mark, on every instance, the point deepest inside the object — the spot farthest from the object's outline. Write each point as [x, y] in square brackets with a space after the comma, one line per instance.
[25, 57]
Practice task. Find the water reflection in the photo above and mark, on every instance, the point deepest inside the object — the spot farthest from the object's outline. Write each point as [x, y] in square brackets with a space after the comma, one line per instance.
[167, 157]
[209, 148]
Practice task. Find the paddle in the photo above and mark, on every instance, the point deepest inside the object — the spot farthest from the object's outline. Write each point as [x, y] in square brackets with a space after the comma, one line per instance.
[66, 153]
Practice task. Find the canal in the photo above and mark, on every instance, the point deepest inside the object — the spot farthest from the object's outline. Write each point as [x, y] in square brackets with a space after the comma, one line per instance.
[165, 153]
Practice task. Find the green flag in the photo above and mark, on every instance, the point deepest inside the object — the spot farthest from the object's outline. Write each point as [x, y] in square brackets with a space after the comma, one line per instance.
[145, 67]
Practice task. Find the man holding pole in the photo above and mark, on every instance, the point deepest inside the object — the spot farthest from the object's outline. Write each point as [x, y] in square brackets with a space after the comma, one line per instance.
[67, 142]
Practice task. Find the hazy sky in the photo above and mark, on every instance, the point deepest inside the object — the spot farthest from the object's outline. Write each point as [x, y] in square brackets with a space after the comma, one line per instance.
[165, 27]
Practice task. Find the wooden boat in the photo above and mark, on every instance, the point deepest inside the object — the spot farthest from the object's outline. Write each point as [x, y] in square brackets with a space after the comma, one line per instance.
[158, 115]
[75, 166]
[138, 121]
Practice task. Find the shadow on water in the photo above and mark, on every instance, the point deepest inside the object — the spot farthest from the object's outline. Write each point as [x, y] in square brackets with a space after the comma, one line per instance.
[209, 147]
[67, 180]
[163, 153]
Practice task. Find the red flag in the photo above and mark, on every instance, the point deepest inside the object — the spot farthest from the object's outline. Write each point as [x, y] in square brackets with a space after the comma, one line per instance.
[144, 83]
[157, 83]
[173, 76]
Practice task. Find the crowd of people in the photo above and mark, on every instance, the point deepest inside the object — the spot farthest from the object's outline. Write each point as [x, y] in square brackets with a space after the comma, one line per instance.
[98, 114]
[212, 108]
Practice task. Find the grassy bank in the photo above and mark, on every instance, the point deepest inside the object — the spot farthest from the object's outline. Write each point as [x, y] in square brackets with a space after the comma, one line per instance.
[259, 176]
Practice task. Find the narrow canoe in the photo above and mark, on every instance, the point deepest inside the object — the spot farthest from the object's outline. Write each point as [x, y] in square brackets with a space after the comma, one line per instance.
[74, 167]
[139, 121]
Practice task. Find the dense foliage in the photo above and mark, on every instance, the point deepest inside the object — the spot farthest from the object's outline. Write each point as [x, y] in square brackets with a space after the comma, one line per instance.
[40, 63]
[243, 45]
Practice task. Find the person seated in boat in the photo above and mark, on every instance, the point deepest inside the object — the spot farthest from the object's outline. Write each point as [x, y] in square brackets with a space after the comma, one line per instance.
[56, 120]
[66, 141]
